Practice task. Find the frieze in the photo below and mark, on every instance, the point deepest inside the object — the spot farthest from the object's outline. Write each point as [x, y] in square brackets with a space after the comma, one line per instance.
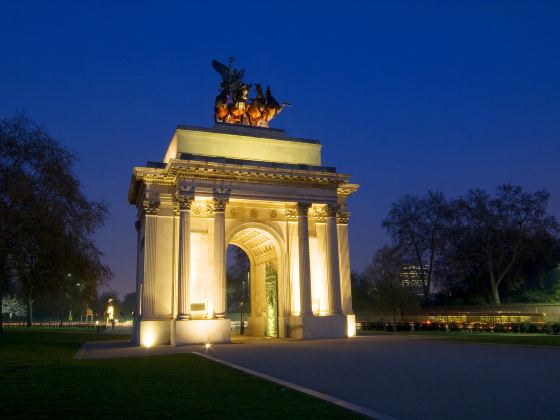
[210, 208]
[291, 215]
[320, 215]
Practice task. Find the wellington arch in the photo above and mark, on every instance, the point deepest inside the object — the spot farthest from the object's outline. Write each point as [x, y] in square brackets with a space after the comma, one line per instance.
[260, 190]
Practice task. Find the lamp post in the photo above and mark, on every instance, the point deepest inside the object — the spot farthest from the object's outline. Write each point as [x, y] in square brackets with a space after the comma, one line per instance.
[242, 326]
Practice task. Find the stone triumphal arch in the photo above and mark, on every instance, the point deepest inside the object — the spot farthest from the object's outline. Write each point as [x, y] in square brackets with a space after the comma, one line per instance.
[262, 191]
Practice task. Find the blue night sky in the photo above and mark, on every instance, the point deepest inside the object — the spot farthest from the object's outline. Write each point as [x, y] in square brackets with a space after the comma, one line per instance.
[405, 96]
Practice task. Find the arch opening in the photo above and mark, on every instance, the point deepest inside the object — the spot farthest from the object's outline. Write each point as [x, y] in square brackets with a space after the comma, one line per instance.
[255, 251]
[238, 303]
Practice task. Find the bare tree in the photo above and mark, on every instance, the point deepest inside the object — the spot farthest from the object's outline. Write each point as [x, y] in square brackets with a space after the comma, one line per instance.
[419, 227]
[383, 276]
[503, 231]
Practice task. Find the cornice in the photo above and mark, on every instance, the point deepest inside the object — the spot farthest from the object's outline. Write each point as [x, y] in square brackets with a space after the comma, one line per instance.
[224, 172]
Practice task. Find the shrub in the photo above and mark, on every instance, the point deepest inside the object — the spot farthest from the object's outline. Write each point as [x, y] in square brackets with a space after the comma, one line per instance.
[532, 328]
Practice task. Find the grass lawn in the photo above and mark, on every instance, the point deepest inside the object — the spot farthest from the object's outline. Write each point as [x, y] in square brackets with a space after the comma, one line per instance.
[494, 338]
[39, 378]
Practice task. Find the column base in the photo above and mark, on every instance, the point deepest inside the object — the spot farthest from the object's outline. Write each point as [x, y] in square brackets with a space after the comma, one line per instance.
[351, 325]
[202, 331]
[151, 333]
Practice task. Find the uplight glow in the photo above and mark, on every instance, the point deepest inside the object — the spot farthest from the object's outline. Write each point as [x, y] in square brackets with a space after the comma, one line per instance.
[148, 339]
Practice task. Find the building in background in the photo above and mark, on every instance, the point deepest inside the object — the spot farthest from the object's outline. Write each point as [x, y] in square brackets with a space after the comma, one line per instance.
[414, 277]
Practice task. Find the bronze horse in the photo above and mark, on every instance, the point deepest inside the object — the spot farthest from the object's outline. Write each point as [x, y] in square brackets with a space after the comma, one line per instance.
[231, 105]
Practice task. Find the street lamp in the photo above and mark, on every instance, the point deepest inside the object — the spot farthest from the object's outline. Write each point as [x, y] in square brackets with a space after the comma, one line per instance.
[242, 327]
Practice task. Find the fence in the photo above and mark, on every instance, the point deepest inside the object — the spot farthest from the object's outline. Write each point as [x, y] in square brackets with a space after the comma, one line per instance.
[55, 324]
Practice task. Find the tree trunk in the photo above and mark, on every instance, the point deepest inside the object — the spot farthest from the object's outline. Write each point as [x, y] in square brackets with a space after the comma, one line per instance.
[493, 283]
[494, 286]
[29, 304]
[1, 301]
[496, 294]
[426, 292]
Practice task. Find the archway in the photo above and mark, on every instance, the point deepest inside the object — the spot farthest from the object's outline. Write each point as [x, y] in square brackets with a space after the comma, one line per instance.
[266, 272]
[238, 303]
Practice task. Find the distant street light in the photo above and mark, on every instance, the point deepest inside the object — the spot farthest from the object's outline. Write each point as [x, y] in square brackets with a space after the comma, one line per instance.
[242, 326]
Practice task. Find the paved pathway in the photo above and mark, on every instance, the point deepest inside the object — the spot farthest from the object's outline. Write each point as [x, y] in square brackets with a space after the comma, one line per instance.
[405, 377]
[415, 378]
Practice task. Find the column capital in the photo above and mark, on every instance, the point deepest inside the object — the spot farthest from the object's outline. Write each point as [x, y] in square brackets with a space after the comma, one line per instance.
[343, 216]
[331, 210]
[183, 201]
[219, 200]
[302, 209]
[184, 197]
[150, 206]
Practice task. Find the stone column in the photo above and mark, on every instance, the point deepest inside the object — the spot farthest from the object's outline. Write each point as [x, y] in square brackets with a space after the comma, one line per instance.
[320, 289]
[344, 263]
[184, 199]
[139, 269]
[218, 204]
[304, 269]
[293, 261]
[150, 208]
[333, 273]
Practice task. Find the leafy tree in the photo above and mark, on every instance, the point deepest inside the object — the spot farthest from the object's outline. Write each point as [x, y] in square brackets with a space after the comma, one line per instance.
[386, 288]
[46, 221]
[128, 306]
[361, 299]
[501, 234]
[419, 227]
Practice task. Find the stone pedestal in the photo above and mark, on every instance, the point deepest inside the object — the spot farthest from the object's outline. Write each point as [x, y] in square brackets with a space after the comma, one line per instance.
[200, 331]
[312, 327]
[155, 332]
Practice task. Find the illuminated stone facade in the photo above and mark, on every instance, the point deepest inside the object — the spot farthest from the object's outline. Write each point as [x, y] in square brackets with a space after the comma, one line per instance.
[262, 191]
